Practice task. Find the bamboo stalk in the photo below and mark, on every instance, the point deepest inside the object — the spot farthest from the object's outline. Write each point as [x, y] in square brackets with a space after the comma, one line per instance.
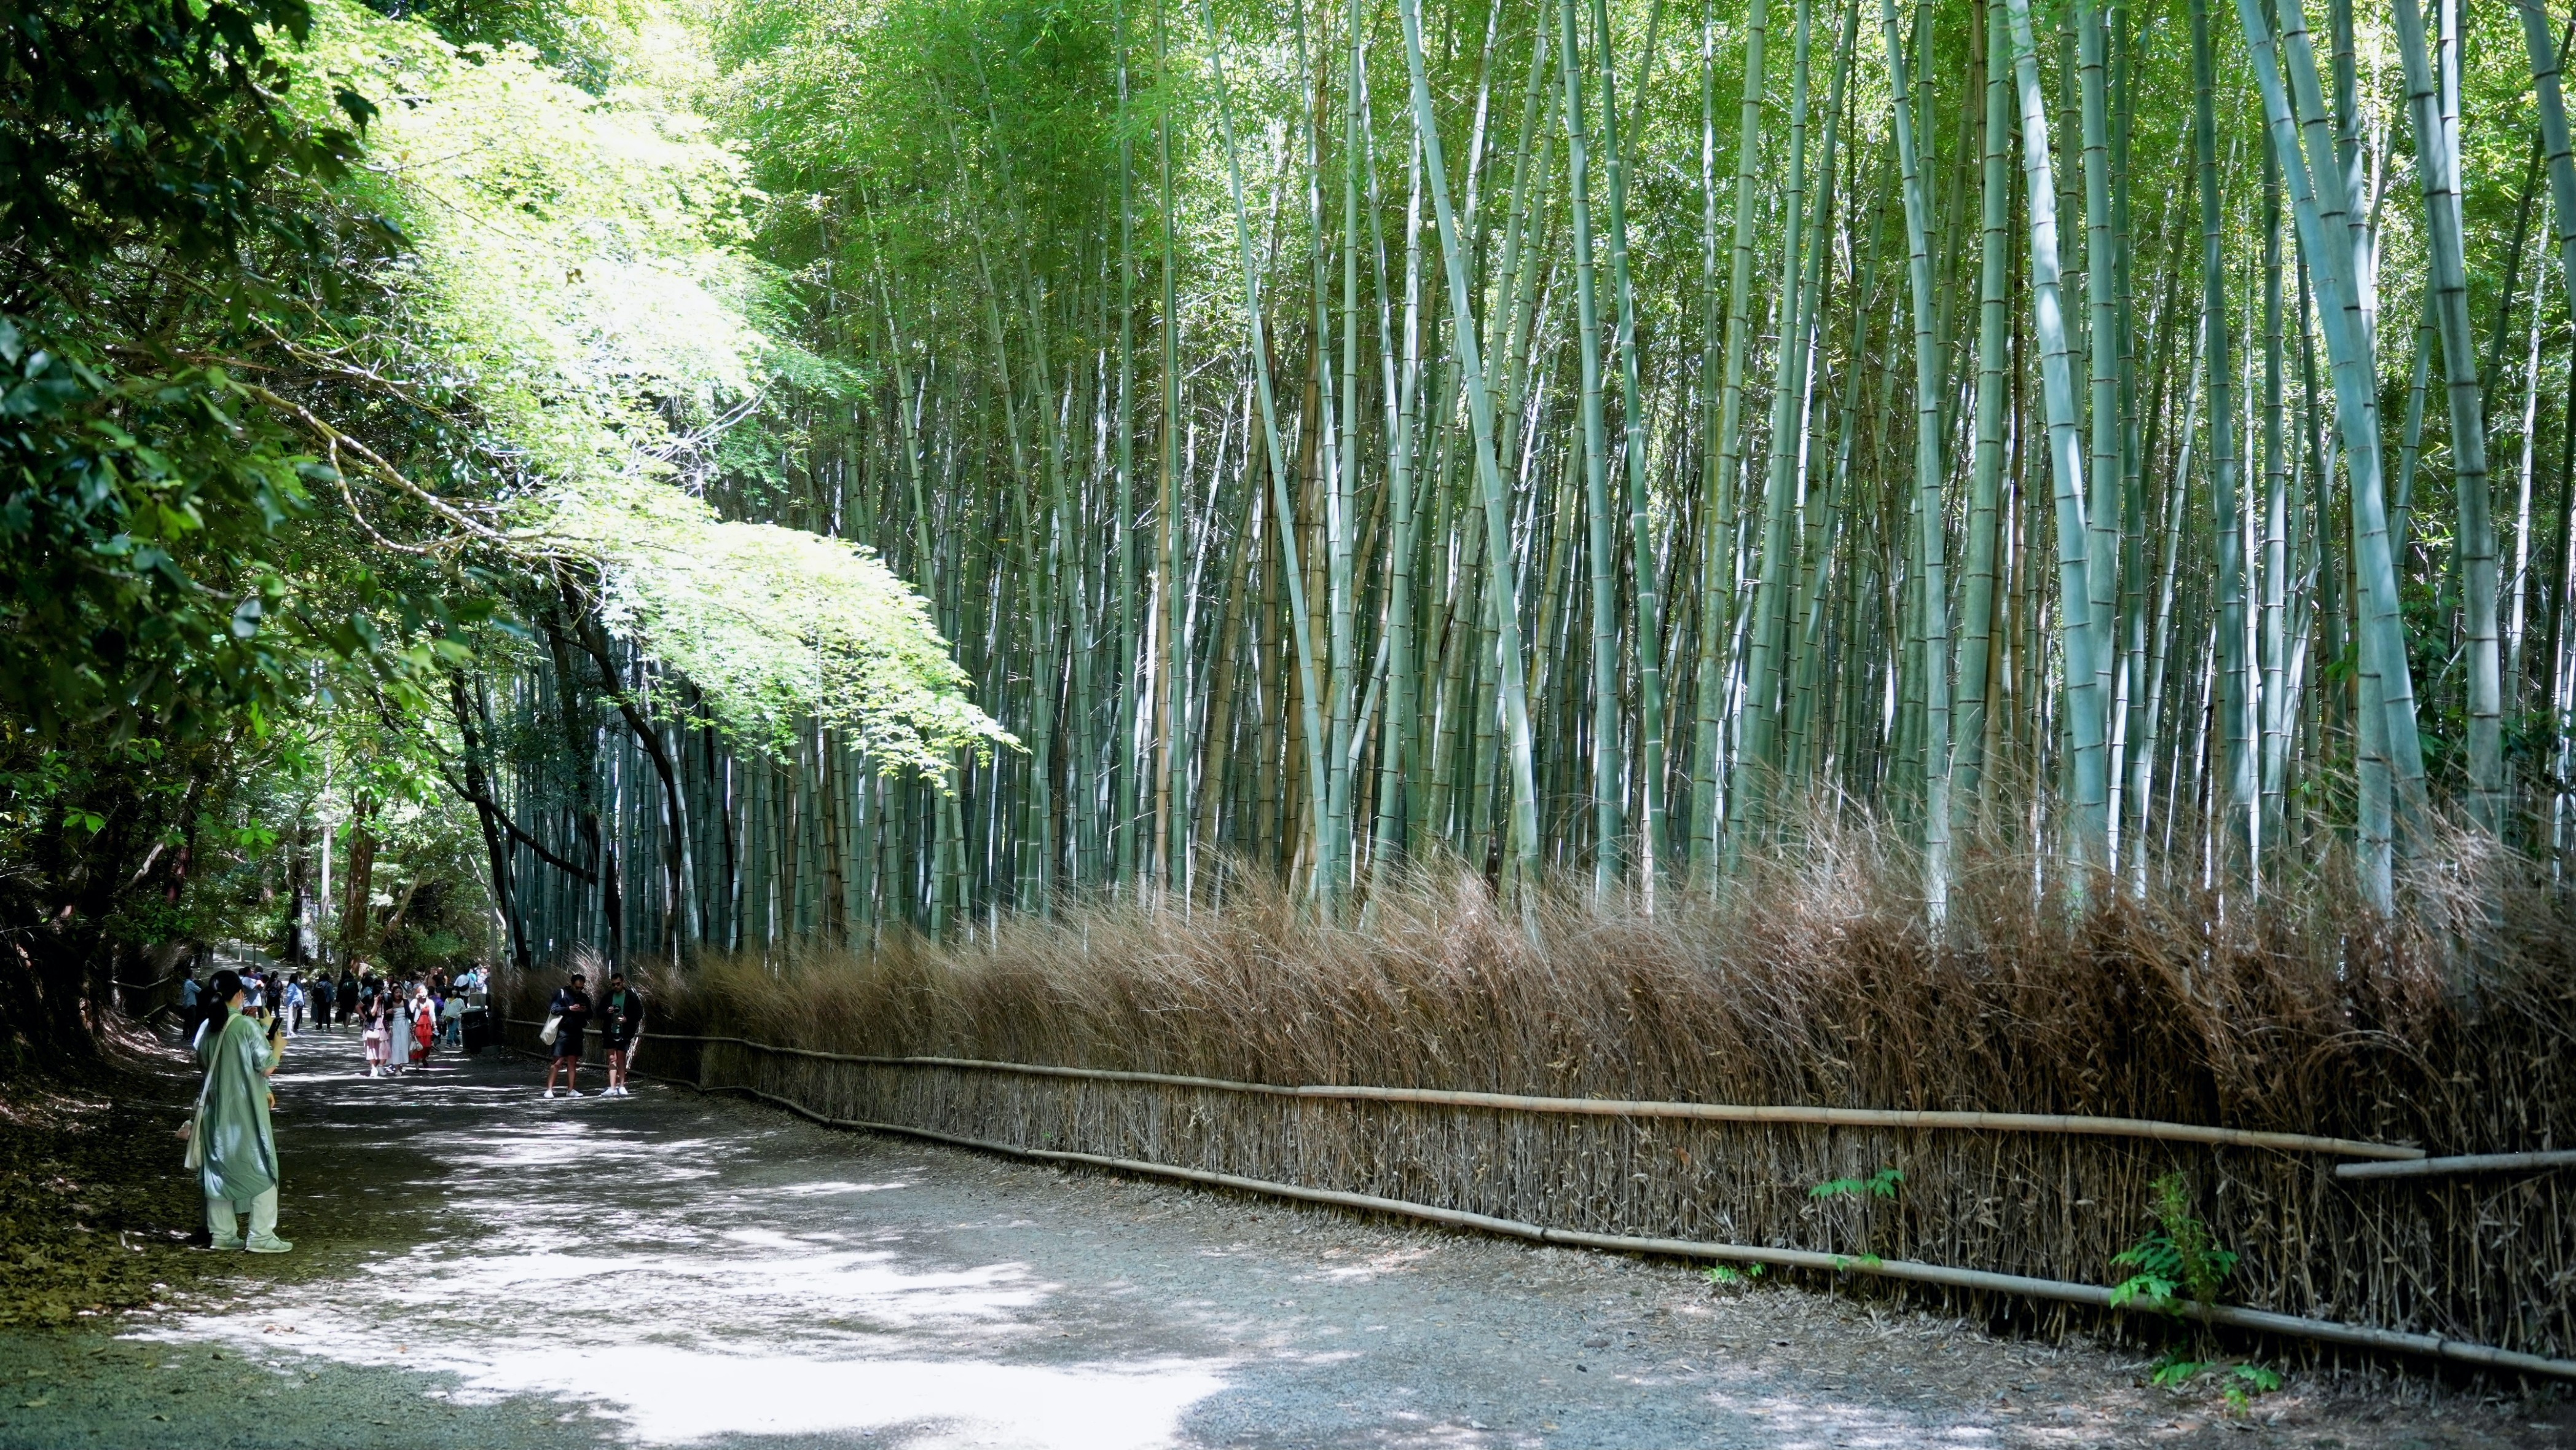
[2235, 707]
[2322, 206]
[1758, 767]
[1500, 586]
[2437, 167]
[2088, 775]
[1718, 553]
[1598, 554]
[2464, 1164]
[1301, 625]
[1976, 623]
[1931, 542]
[1646, 593]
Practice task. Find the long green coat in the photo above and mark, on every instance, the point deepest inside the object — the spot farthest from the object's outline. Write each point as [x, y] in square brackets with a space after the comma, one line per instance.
[232, 1118]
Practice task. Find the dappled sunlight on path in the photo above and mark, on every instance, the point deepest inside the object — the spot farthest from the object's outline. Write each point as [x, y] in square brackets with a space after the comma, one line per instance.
[677, 1282]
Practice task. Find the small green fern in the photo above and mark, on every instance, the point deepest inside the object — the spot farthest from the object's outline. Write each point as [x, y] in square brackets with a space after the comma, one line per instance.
[2182, 1263]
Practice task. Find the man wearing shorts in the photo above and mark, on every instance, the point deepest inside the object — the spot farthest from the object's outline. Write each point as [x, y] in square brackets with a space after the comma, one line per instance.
[571, 1008]
[621, 1020]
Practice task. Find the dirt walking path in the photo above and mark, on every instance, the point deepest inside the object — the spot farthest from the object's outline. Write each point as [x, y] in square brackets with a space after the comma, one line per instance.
[478, 1267]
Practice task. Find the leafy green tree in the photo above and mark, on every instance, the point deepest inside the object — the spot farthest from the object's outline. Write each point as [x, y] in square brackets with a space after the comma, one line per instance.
[286, 442]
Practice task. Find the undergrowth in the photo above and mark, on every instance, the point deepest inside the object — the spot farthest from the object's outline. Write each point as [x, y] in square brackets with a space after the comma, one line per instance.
[1813, 980]
[95, 1208]
[2180, 1265]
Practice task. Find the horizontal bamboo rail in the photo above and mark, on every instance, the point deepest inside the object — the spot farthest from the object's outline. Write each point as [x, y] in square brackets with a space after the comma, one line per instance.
[2466, 1163]
[1977, 1280]
[1628, 1108]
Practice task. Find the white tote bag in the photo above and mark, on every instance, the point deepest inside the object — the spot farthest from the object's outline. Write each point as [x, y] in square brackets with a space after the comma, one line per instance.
[196, 1157]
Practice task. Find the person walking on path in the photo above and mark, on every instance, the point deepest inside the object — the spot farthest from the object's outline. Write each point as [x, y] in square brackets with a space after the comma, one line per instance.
[621, 1021]
[291, 1006]
[191, 1006]
[474, 1031]
[569, 1011]
[231, 1142]
[375, 1033]
[423, 1024]
[397, 1005]
[320, 994]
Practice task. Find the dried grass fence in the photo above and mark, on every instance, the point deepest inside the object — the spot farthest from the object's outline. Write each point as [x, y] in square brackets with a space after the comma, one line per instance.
[1814, 987]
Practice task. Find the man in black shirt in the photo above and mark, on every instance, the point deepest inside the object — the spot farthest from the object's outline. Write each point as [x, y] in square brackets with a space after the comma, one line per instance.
[570, 1013]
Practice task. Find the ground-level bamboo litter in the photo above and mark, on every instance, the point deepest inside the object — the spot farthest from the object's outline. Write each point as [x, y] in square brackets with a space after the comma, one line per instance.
[2022, 1192]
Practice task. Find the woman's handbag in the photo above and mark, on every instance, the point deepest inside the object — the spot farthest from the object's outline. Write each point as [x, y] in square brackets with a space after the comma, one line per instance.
[196, 1156]
[554, 1027]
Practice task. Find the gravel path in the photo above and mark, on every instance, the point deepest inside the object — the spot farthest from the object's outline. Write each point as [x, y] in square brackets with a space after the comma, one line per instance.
[479, 1267]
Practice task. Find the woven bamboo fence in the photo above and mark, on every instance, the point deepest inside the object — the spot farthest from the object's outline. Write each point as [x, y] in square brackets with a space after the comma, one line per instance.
[2485, 1259]
[1405, 1060]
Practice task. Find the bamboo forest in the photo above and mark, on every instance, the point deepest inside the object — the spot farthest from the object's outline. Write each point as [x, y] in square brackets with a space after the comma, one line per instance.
[1986, 565]
[1577, 444]
[913, 463]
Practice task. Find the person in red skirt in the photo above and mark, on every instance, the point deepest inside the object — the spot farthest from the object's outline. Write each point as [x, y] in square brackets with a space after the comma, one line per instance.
[423, 1025]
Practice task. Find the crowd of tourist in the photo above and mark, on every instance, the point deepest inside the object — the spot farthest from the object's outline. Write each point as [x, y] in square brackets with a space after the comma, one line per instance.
[238, 1024]
[400, 1020]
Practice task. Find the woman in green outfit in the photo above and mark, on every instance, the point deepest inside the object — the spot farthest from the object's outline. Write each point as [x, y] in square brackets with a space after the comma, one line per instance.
[240, 1152]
